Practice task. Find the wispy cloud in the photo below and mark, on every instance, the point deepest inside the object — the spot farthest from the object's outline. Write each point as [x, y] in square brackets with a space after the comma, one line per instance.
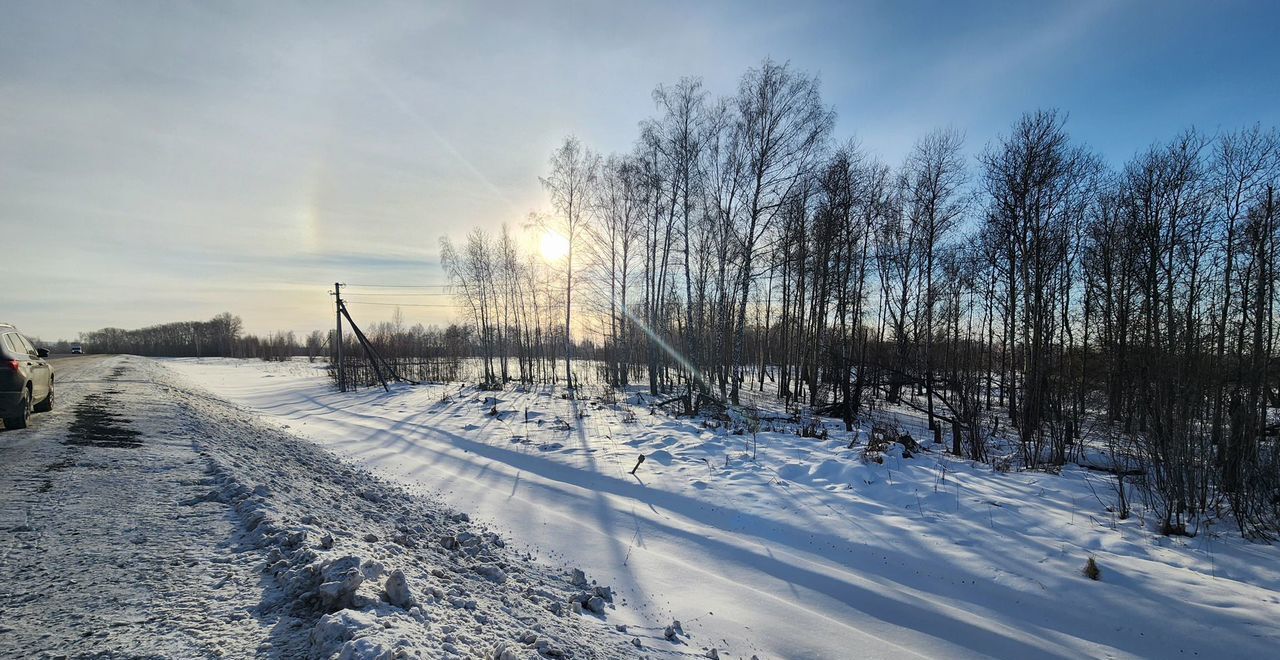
[196, 157]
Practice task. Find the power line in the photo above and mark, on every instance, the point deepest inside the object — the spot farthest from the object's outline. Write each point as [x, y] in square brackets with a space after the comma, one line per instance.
[382, 304]
[404, 295]
[586, 306]
[401, 286]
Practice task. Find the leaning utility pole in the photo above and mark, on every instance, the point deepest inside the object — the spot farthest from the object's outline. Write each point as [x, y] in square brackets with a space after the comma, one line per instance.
[369, 351]
[337, 297]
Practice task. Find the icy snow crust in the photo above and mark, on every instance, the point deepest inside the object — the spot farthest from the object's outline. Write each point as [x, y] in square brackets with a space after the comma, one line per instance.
[219, 536]
[807, 551]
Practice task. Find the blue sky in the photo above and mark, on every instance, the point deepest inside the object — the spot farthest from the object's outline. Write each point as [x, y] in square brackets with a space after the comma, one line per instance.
[163, 161]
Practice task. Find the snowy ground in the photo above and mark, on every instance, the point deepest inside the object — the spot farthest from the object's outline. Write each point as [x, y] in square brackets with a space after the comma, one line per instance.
[807, 551]
[144, 519]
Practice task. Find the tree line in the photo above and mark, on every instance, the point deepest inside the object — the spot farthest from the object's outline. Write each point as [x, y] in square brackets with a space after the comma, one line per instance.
[221, 336]
[1035, 291]
[414, 353]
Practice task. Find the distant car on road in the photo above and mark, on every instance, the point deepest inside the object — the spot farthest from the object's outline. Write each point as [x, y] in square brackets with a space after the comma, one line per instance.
[76, 350]
[26, 379]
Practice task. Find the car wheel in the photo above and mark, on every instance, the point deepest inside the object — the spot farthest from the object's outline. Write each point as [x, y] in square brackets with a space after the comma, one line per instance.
[47, 404]
[23, 421]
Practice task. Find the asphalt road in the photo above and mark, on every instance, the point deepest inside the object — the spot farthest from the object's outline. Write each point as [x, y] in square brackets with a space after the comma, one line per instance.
[74, 363]
[69, 373]
[99, 557]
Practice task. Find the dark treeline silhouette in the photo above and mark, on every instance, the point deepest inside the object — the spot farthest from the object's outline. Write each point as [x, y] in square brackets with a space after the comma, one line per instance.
[221, 336]
[1035, 292]
[420, 353]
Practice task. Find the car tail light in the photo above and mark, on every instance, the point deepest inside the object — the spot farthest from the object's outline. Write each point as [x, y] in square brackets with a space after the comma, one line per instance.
[14, 365]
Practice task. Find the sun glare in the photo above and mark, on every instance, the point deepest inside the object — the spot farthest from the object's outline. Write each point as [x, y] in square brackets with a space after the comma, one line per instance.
[554, 247]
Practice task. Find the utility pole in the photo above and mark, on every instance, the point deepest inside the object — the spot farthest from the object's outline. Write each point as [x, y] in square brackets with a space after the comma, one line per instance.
[369, 351]
[337, 297]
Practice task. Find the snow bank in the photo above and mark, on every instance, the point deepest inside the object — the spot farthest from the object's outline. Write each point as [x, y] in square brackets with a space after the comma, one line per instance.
[361, 569]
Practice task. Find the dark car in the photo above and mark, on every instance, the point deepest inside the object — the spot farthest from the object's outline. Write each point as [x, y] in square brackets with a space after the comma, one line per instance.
[26, 379]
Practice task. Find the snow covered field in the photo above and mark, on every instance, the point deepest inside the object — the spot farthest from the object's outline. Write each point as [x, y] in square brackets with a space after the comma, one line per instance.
[805, 552]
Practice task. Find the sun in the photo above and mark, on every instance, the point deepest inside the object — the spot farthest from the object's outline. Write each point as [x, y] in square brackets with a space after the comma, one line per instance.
[554, 247]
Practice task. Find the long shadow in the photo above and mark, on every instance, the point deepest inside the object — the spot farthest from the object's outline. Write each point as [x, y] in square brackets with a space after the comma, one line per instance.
[700, 511]
[1034, 611]
[923, 618]
[895, 611]
[604, 513]
[396, 439]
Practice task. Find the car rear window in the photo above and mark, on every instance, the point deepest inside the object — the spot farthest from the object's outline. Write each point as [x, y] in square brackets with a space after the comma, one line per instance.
[12, 345]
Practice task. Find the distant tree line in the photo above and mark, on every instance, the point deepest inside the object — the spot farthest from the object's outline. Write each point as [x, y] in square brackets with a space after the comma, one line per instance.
[1036, 292]
[417, 352]
[221, 336]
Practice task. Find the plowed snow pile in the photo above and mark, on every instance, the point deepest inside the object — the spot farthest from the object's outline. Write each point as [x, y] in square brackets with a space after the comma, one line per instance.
[362, 569]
